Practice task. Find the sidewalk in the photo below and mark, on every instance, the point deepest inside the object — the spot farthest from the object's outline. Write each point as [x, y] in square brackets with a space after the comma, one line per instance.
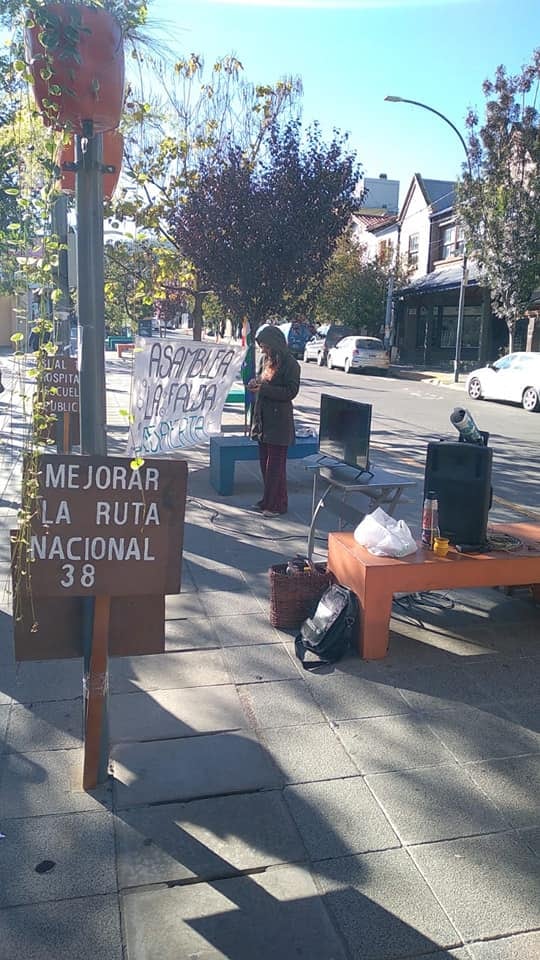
[374, 810]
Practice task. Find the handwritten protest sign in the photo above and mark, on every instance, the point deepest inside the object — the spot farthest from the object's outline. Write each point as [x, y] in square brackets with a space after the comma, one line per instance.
[102, 527]
[180, 388]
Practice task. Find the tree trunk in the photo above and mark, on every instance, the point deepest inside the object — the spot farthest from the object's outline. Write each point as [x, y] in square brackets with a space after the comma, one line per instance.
[511, 330]
[198, 297]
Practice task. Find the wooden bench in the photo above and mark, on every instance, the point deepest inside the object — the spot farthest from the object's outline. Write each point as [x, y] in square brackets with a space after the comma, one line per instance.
[374, 580]
[226, 451]
[122, 348]
[112, 342]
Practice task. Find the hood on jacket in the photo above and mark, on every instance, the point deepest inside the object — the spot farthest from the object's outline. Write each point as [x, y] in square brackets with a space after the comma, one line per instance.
[272, 337]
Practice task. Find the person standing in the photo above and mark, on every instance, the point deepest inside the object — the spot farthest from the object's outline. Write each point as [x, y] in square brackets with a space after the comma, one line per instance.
[275, 387]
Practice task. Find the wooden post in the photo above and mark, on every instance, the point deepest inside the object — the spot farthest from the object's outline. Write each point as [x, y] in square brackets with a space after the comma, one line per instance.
[96, 692]
[67, 424]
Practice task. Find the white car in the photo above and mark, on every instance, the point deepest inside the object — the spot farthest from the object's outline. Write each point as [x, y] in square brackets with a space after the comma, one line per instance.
[359, 353]
[514, 378]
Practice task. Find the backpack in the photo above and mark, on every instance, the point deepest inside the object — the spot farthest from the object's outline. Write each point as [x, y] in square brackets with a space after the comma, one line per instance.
[327, 635]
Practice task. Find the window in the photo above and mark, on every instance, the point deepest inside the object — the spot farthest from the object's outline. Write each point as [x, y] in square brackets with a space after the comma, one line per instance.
[412, 253]
[384, 252]
[460, 241]
[448, 243]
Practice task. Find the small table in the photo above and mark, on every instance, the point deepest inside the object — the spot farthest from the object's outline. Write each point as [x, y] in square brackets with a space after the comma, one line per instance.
[374, 580]
[380, 487]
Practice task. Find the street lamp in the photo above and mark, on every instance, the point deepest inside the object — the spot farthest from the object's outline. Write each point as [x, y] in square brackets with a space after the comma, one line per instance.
[463, 284]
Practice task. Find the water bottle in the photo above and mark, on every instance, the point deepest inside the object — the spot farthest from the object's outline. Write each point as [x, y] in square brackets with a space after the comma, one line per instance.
[430, 520]
[463, 422]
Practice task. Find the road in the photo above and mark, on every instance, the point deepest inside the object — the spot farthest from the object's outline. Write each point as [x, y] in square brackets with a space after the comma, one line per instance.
[407, 414]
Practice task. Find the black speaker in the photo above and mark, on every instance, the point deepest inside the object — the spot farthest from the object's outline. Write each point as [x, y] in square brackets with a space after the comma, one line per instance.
[459, 476]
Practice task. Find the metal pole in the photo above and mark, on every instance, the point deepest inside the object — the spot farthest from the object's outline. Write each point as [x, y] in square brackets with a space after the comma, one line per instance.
[91, 360]
[89, 150]
[63, 305]
[463, 284]
[459, 326]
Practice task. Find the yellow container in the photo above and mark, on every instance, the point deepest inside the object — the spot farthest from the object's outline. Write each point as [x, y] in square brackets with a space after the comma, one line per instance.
[441, 546]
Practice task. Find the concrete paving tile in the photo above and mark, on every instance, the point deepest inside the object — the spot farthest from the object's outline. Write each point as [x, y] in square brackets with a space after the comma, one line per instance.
[7, 657]
[525, 712]
[277, 913]
[281, 704]
[307, 753]
[196, 633]
[513, 784]
[196, 767]
[434, 803]
[425, 687]
[169, 714]
[42, 680]
[399, 742]
[481, 734]
[210, 574]
[161, 671]
[344, 696]
[4, 715]
[507, 679]
[245, 630]
[220, 603]
[411, 644]
[383, 907]
[46, 783]
[183, 605]
[531, 836]
[205, 839]
[8, 677]
[523, 947]
[487, 885]
[55, 725]
[339, 817]
[515, 640]
[81, 847]
[86, 929]
[261, 662]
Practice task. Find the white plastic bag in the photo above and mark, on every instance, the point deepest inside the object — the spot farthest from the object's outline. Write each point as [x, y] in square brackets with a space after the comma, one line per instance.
[384, 536]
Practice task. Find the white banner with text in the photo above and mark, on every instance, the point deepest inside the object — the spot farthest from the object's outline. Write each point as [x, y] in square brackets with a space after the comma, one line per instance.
[179, 390]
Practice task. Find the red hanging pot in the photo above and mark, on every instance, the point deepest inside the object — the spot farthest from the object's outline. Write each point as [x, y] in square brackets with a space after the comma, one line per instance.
[113, 149]
[76, 59]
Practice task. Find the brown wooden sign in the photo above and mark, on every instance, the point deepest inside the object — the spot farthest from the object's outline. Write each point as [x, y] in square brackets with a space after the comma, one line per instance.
[101, 527]
[60, 380]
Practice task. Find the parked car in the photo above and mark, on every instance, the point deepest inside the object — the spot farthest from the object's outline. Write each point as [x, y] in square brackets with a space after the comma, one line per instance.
[359, 353]
[326, 337]
[296, 334]
[514, 378]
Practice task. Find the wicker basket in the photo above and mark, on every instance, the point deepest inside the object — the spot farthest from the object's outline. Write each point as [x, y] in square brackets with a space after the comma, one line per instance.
[293, 597]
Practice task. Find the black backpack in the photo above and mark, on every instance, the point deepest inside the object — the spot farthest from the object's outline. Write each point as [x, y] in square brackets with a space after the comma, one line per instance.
[327, 635]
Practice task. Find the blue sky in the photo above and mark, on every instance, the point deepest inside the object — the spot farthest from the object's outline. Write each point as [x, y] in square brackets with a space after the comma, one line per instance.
[351, 53]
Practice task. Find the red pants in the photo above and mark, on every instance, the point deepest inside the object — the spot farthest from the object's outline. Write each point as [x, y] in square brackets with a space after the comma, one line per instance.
[273, 461]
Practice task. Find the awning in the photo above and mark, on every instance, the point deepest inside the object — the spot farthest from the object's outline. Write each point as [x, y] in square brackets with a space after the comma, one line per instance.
[443, 279]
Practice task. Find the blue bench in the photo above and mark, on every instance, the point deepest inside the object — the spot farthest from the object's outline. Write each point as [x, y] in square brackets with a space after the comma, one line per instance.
[225, 451]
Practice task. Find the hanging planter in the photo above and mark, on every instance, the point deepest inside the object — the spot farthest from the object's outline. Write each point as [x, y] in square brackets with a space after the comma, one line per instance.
[113, 149]
[75, 56]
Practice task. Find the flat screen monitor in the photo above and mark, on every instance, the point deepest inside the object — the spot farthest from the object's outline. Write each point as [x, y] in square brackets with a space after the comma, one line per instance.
[344, 431]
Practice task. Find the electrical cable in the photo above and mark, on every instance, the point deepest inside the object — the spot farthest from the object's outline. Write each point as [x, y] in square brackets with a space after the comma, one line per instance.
[233, 529]
[503, 542]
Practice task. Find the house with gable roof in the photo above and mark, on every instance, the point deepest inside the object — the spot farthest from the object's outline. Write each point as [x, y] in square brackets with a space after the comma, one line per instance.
[427, 242]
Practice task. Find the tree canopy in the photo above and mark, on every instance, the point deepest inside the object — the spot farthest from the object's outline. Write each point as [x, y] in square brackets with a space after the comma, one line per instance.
[500, 201]
[260, 233]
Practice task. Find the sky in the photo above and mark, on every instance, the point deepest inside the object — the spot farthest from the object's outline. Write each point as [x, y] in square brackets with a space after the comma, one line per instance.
[350, 53]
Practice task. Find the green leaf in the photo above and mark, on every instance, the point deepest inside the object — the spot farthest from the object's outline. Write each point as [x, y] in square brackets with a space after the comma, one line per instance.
[17, 337]
[136, 463]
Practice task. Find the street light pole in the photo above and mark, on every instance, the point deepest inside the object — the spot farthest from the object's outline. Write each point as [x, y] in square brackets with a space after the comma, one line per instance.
[464, 275]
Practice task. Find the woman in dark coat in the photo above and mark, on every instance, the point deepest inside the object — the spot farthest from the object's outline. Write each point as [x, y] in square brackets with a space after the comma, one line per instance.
[272, 426]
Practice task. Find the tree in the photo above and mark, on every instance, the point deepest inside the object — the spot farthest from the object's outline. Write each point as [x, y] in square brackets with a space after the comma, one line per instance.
[353, 290]
[260, 233]
[168, 136]
[499, 201]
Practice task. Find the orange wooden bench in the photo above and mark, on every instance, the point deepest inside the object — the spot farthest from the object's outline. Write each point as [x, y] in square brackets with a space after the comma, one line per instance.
[374, 580]
[122, 348]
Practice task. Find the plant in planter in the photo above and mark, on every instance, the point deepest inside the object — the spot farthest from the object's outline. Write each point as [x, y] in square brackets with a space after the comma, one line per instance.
[75, 56]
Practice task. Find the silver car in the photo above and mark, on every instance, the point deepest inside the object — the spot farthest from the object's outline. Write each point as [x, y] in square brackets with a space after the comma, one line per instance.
[314, 349]
[359, 353]
[514, 378]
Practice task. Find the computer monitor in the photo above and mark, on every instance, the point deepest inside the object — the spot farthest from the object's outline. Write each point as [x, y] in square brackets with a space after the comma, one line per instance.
[344, 431]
